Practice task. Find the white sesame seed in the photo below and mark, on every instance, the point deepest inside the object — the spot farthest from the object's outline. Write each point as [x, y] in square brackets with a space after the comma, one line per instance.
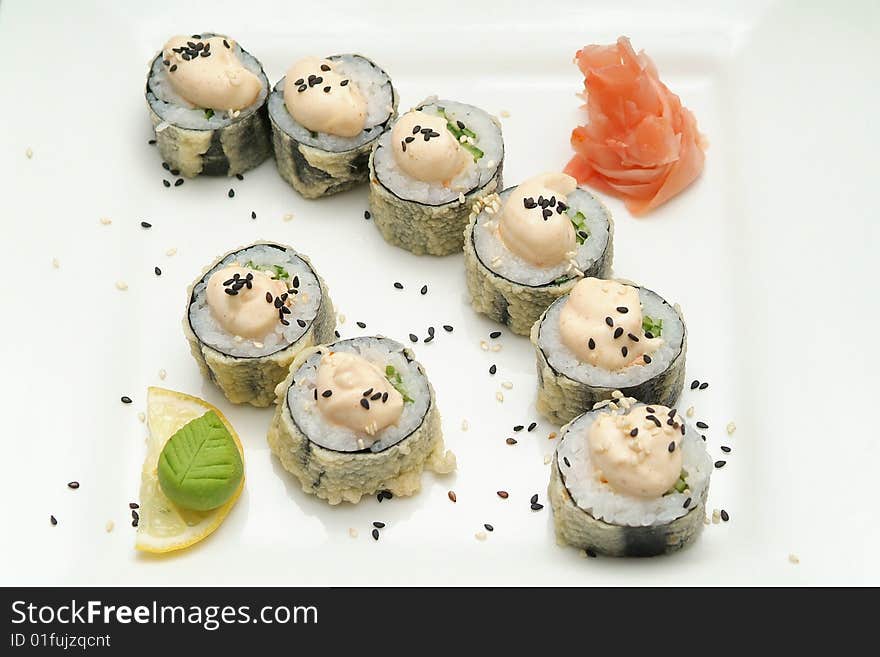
[56, 263]
[547, 459]
[352, 532]
[162, 374]
[258, 345]
[340, 318]
[121, 285]
[464, 425]
[29, 152]
[499, 396]
[504, 114]
[480, 536]
[689, 412]
[106, 221]
[463, 139]
[484, 345]
[461, 198]
[361, 444]
[716, 516]
[731, 427]
[496, 347]
[171, 252]
[109, 526]
[490, 163]
[288, 216]
[507, 385]
[793, 558]
[142, 416]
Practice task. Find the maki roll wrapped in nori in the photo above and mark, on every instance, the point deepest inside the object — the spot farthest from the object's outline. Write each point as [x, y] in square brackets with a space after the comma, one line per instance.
[428, 171]
[629, 479]
[207, 99]
[326, 115]
[250, 314]
[358, 417]
[603, 336]
[529, 245]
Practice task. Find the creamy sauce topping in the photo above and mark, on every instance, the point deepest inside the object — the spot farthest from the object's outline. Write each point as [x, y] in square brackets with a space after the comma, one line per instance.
[534, 224]
[601, 323]
[322, 100]
[637, 453]
[426, 150]
[354, 393]
[247, 302]
[207, 73]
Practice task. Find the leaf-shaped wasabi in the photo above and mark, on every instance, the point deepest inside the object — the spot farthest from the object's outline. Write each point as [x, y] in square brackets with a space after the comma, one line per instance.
[200, 466]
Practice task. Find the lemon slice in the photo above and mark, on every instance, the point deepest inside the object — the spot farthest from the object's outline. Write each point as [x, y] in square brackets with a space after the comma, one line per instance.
[164, 526]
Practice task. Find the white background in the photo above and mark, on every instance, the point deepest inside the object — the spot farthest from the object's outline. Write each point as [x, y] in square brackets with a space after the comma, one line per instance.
[772, 255]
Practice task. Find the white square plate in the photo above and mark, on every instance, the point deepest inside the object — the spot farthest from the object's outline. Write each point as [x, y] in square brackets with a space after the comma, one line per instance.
[767, 254]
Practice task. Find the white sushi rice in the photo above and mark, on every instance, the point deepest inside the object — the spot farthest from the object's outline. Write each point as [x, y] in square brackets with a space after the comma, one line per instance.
[178, 111]
[495, 255]
[564, 361]
[381, 352]
[305, 304]
[374, 85]
[474, 176]
[603, 503]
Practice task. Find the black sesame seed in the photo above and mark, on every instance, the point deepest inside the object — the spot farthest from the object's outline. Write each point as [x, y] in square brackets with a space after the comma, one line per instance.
[534, 499]
[609, 321]
[399, 286]
[622, 310]
[720, 464]
[634, 432]
[375, 533]
[325, 68]
[125, 399]
[344, 83]
[495, 334]
[327, 90]
[702, 425]
[492, 369]
[624, 351]
[380, 497]
[537, 507]
[704, 385]
[253, 215]
[590, 552]
[172, 69]
[618, 332]
[384, 397]
[695, 384]
[315, 394]
[566, 461]
[166, 166]
[53, 520]
[532, 426]
[301, 88]
[301, 322]
[511, 441]
[518, 427]
[489, 528]
[361, 325]
[649, 335]
[591, 343]
[268, 297]
[73, 484]
[178, 182]
[157, 271]
[687, 503]
[365, 403]
[503, 494]
[431, 331]
[649, 409]
[375, 396]
[230, 193]
[447, 328]
[299, 82]
[413, 337]
[327, 393]
[725, 449]
[387, 494]
[654, 420]
[367, 214]
[295, 281]
[152, 142]
[671, 447]
[134, 505]
[424, 289]
[337, 334]
[632, 337]
[379, 525]
[239, 176]
[647, 359]
[367, 392]
[166, 183]
[725, 516]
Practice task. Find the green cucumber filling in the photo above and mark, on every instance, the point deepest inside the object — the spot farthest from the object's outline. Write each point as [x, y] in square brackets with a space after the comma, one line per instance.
[209, 113]
[652, 326]
[680, 486]
[579, 221]
[395, 380]
[459, 130]
[278, 272]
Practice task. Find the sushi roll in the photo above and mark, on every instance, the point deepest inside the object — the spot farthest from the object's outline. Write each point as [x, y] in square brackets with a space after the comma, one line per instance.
[326, 115]
[529, 245]
[629, 480]
[427, 172]
[358, 417]
[604, 336]
[207, 99]
[250, 314]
